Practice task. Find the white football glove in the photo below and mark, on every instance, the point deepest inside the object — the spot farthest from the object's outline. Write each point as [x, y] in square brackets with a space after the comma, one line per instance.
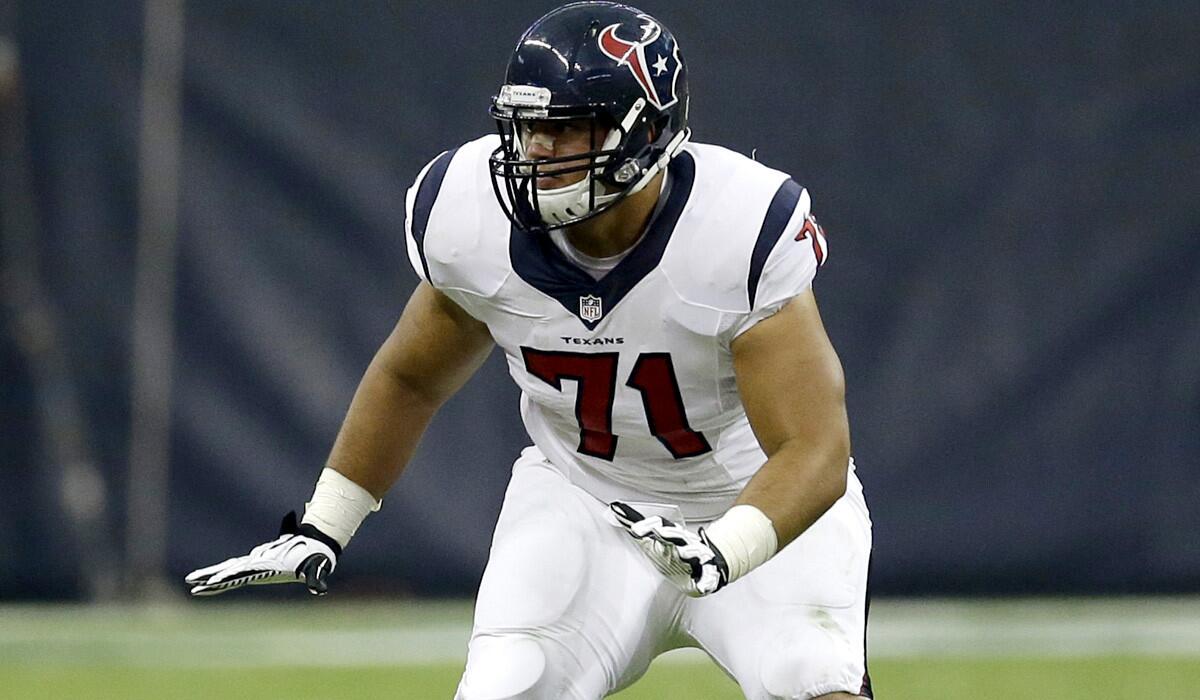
[301, 553]
[688, 560]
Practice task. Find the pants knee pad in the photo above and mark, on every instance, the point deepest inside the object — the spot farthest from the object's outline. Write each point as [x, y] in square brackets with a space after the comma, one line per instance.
[504, 667]
[805, 663]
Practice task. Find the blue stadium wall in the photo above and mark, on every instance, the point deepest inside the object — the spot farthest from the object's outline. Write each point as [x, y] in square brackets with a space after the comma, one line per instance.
[1011, 192]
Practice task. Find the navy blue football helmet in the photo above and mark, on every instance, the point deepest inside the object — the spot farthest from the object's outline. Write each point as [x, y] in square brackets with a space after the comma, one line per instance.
[610, 64]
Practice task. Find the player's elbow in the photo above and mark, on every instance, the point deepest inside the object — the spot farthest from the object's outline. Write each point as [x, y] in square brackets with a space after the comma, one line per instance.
[833, 481]
[824, 463]
[834, 467]
[834, 454]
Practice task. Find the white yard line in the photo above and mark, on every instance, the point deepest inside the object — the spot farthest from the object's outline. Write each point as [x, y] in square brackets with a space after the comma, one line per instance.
[408, 632]
[1066, 627]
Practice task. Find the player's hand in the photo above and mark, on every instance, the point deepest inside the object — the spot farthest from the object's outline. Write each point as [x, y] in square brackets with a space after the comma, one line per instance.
[688, 560]
[301, 553]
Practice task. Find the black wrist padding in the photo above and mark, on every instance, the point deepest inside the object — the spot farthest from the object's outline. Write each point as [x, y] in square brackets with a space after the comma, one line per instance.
[291, 526]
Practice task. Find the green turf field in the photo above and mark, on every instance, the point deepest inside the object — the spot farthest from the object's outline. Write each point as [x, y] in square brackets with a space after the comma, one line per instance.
[213, 651]
[927, 679]
[897, 679]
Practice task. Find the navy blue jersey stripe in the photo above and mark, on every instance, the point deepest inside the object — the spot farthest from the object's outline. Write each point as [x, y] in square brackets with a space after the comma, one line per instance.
[426, 195]
[540, 263]
[778, 214]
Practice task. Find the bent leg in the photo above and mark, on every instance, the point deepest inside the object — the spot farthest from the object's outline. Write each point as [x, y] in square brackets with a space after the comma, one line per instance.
[568, 607]
[794, 628]
[511, 665]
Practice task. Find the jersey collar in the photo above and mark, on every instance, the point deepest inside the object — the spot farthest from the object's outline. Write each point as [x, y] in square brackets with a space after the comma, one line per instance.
[543, 266]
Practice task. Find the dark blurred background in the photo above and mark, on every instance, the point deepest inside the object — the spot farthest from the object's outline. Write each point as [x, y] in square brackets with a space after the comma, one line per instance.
[202, 211]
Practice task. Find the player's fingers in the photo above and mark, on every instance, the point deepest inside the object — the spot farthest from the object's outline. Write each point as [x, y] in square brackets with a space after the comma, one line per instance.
[709, 584]
[212, 568]
[699, 552]
[314, 570]
[671, 534]
[197, 576]
[209, 589]
[199, 591]
[626, 514]
[657, 549]
[648, 527]
[243, 578]
[204, 573]
[236, 573]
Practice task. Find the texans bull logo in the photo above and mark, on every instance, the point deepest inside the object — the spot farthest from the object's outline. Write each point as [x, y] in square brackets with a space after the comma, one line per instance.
[658, 78]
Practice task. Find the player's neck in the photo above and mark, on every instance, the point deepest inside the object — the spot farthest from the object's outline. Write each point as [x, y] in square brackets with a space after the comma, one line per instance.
[615, 231]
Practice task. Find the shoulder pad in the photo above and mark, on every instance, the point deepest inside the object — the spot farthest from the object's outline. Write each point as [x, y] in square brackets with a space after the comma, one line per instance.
[738, 210]
[456, 234]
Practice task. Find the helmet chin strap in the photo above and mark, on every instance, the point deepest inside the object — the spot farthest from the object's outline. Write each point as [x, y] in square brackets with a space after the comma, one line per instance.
[563, 204]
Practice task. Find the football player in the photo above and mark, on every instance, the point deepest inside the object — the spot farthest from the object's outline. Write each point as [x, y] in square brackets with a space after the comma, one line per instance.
[690, 480]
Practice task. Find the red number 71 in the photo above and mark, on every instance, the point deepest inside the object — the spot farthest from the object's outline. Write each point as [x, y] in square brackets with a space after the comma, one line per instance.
[595, 374]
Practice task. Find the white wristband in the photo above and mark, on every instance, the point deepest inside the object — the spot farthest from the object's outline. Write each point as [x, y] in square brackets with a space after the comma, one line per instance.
[745, 537]
[338, 506]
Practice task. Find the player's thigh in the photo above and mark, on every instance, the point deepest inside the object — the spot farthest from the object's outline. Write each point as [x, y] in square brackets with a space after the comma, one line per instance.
[795, 627]
[568, 607]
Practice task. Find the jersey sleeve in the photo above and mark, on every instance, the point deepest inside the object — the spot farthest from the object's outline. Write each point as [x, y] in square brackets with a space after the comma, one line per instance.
[444, 228]
[418, 205]
[791, 262]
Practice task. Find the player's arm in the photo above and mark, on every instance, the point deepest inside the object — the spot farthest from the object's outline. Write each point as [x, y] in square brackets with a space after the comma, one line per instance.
[791, 384]
[793, 389]
[432, 351]
[434, 348]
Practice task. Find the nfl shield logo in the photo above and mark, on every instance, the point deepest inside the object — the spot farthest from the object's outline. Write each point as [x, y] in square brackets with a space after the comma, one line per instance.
[589, 308]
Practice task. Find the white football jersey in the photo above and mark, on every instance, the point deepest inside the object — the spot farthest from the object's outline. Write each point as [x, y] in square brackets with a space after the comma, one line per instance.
[627, 382]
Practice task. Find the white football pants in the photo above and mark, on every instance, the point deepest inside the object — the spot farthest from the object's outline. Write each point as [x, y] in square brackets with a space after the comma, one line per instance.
[569, 607]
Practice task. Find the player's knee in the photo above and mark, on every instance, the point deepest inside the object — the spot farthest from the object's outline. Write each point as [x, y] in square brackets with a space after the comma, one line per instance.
[811, 667]
[504, 667]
